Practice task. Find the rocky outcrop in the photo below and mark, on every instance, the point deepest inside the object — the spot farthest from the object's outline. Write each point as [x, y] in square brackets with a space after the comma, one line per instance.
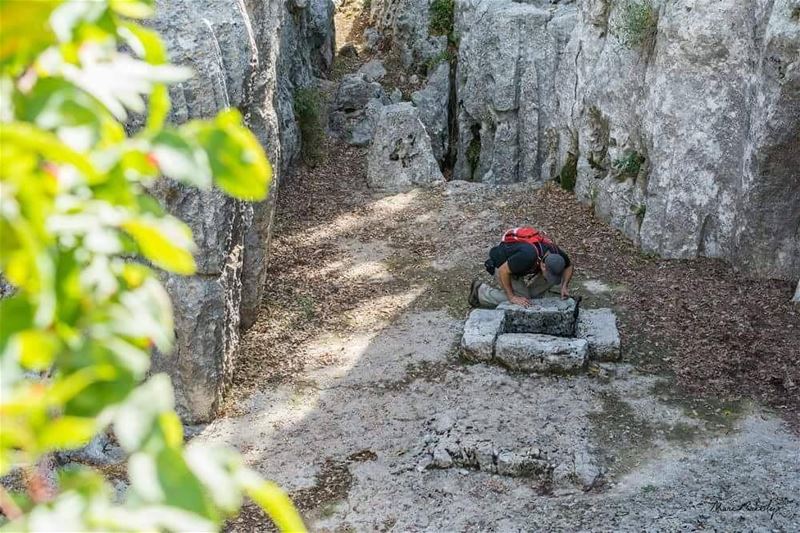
[678, 121]
[355, 109]
[252, 55]
[433, 104]
[400, 156]
[405, 24]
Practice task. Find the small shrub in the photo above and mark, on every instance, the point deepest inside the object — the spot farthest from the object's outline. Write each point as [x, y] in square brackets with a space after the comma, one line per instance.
[628, 166]
[637, 24]
[441, 13]
[307, 113]
[366, 5]
[433, 62]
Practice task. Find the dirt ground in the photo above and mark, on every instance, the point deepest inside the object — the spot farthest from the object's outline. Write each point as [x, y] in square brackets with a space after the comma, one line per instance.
[351, 372]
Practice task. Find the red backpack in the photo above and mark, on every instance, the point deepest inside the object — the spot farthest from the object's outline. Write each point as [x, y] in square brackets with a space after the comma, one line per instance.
[525, 234]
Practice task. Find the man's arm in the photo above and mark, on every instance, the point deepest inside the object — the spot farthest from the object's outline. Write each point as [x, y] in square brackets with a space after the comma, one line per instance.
[565, 279]
[504, 274]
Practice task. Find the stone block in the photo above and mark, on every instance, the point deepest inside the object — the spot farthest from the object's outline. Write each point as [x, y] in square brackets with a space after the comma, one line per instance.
[401, 156]
[480, 332]
[548, 316]
[541, 353]
[599, 328]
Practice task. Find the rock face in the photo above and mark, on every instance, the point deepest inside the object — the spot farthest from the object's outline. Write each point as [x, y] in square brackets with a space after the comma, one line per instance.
[406, 23]
[679, 122]
[400, 156]
[252, 55]
[355, 109]
[433, 104]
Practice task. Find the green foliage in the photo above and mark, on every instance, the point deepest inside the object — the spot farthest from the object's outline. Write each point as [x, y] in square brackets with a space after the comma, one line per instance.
[366, 5]
[307, 105]
[569, 173]
[628, 166]
[447, 55]
[637, 24]
[76, 336]
[441, 17]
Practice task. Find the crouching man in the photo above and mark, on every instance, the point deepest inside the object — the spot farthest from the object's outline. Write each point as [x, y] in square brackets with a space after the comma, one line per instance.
[526, 264]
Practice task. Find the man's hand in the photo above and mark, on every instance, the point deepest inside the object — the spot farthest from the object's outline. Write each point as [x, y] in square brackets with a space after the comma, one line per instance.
[564, 292]
[519, 300]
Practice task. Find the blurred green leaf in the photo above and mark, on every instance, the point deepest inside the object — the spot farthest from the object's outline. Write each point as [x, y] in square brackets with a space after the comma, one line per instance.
[272, 499]
[166, 242]
[180, 160]
[35, 350]
[238, 162]
[135, 418]
[24, 32]
[145, 43]
[135, 9]
[66, 433]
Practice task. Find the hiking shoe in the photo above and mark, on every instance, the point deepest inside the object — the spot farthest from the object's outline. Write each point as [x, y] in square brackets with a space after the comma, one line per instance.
[473, 294]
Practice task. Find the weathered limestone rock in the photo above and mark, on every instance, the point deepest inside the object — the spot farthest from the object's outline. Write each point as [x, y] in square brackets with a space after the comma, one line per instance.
[506, 93]
[549, 316]
[406, 23]
[483, 455]
[355, 109]
[580, 472]
[400, 156]
[709, 107]
[480, 332]
[599, 328]
[541, 353]
[250, 55]
[432, 102]
[373, 70]
[372, 38]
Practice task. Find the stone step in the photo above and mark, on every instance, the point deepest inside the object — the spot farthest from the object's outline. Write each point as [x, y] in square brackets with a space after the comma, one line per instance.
[599, 328]
[480, 332]
[528, 352]
[548, 316]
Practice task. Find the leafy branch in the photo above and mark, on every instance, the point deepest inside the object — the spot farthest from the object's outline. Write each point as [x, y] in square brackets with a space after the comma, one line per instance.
[78, 235]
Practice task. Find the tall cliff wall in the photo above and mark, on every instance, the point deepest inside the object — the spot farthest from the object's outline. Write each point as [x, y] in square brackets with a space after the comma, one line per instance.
[251, 55]
[678, 120]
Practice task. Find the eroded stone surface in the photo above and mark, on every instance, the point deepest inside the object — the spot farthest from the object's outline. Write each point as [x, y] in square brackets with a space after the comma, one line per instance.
[433, 109]
[480, 332]
[549, 316]
[401, 156]
[355, 109]
[599, 328]
[541, 353]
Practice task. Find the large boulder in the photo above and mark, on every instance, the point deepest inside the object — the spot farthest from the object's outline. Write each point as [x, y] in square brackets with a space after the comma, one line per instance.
[355, 109]
[506, 93]
[401, 156]
[250, 55]
[433, 104]
[687, 139]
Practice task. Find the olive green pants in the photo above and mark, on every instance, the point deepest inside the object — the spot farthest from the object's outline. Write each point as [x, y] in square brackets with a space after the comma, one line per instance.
[535, 287]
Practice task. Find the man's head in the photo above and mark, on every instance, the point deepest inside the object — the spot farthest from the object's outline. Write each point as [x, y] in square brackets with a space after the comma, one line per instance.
[553, 268]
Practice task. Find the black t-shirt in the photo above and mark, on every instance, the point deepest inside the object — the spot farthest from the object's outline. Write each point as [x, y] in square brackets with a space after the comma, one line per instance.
[523, 258]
